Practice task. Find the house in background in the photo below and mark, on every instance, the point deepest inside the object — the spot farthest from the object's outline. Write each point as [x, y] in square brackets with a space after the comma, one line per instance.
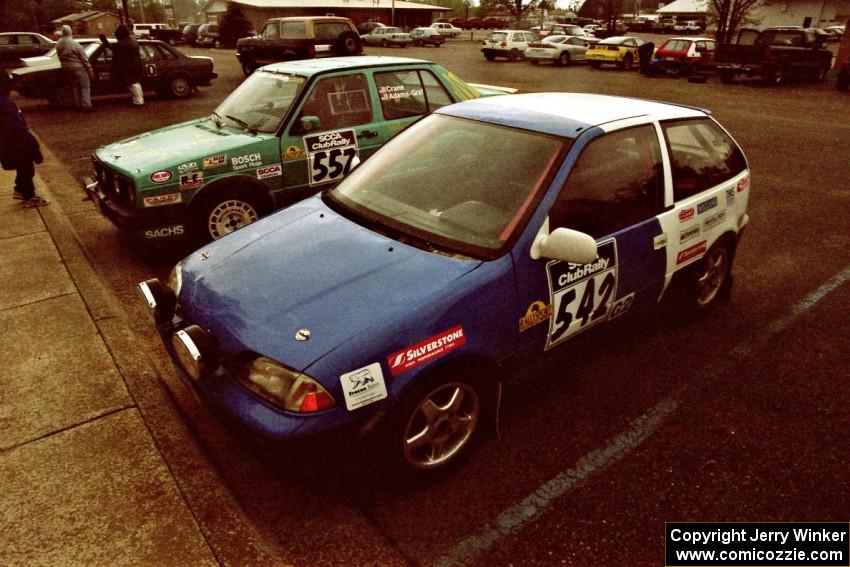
[768, 13]
[212, 11]
[91, 23]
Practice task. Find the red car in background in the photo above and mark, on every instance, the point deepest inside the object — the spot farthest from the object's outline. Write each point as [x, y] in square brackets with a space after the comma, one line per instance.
[684, 56]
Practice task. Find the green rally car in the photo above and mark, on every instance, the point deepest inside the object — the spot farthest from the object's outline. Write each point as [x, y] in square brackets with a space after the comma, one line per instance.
[290, 130]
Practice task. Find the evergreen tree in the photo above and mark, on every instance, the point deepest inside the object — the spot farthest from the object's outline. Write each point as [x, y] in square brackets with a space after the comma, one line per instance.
[233, 25]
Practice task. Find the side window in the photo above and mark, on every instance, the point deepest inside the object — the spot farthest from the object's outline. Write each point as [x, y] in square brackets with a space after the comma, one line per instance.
[103, 57]
[293, 29]
[435, 92]
[340, 102]
[701, 155]
[401, 94]
[26, 40]
[326, 32]
[616, 182]
[148, 53]
[164, 53]
[6, 39]
[271, 31]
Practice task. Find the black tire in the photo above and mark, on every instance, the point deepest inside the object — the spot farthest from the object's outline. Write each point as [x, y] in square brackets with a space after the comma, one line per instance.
[248, 67]
[534, 62]
[627, 62]
[179, 86]
[727, 77]
[348, 43]
[710, 280]
[489, 57]
[563, 59]
[595, 64]
[221, 212]
[383, 43]
[514, 55]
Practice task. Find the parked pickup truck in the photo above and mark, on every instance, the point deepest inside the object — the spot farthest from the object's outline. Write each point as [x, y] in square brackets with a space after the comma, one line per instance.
[775, 54]
[168, 35]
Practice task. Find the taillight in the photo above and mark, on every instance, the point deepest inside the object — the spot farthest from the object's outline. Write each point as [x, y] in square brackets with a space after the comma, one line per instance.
[613, 48]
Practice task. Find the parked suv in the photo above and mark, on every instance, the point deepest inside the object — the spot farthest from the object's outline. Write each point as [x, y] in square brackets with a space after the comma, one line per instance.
[507, 43]
[288, 39]
[208, 35]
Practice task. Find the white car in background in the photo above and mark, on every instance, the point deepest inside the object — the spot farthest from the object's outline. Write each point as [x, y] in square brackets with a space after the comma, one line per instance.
[446, 29]
[386, 36]
[559, 49]
[507, 43]
[50, 58]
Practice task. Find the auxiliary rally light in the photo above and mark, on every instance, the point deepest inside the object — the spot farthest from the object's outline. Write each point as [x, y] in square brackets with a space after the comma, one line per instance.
[160, 299]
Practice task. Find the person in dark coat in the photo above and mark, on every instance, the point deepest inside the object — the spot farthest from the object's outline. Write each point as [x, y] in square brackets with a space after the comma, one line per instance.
[645, 52]
[127, 67]
[19, 149]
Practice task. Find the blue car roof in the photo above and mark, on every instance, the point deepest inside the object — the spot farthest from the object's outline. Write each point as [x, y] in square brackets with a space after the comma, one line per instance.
[564, 114]
[311, 67]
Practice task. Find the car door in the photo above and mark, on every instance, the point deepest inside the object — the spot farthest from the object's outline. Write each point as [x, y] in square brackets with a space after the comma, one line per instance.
[577, 48]
[405, 96]
[153, 66]
[343, 105]
[101, 62]
[614, 192]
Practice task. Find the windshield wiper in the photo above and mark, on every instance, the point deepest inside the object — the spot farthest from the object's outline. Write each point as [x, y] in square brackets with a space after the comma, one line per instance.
[217, 119]
[242, 123]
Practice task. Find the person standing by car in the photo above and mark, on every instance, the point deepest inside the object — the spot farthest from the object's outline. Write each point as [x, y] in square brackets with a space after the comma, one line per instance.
[126, 63]
[76, 66]
[18, 148]
[645, 52]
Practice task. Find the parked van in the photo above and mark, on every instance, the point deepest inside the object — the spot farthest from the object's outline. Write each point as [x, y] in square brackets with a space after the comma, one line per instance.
[144, 30]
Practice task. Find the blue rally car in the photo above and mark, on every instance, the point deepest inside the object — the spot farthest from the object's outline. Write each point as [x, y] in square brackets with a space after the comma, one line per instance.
[494, 228]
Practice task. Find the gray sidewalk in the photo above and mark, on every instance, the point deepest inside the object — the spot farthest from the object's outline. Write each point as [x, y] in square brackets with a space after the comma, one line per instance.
[84, 480]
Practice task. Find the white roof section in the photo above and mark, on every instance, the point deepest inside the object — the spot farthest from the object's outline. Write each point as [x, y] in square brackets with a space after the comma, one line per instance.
[342, 4]
[685, 7]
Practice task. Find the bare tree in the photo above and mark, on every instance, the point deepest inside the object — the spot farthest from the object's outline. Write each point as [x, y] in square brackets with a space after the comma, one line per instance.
[728, 16]
[516, 8]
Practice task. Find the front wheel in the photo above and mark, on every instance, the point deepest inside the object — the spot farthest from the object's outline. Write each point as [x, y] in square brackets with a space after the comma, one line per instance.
[248, 67]
[221, 213]
[564, 59]
[514, 55]
[627, 63]
[595, 64]
[489, 57]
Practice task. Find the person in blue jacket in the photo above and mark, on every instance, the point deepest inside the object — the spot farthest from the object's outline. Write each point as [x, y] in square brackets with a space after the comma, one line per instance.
[19, 149]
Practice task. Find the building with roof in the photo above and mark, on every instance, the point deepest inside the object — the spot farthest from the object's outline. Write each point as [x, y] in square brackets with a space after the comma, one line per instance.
[402, 13]
[91, 23]
[805, 13]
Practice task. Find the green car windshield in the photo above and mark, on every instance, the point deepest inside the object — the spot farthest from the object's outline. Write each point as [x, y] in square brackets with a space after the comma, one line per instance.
[262, 101]
[457, 184]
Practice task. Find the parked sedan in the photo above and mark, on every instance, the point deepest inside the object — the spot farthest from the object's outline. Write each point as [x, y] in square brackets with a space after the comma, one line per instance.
[386, 36]
[621, 51]
[446, 29]
[389, 309]
[559, 49]
[166, 70]
[684, 56]
[427, 36]
[49, 58]
[16, 45]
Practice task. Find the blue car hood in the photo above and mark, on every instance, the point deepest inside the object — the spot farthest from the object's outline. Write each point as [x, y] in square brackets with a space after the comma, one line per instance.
[308, 267]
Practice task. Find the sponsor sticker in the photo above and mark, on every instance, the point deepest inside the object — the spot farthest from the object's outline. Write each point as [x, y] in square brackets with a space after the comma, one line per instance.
[690, 253]
[247, 161]
[164, 232]
[363, 386]
[187, 167]
[215, 161]
[426, 351]
[191, 180]
[269, 171]
[159, 200]
[706, 205]
[743, 184]
[689, 233]
[536, 313]
[730, 196]
[293, 152]
[714, 220]
[397, 92]
[161, 176]
[686, 214]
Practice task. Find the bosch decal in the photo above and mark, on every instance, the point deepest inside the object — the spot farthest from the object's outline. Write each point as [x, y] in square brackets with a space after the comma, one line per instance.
[164, 232]
[246, 161]
[714, 220]
[537, 313]
[706, 205]
[730, 196]
[269, 171]
[689, 234]
[427, 350]
[187, 167]
[215, 161]
[694, 251]
[159, 200]
[582, 294]
[330, 155]
[191, 180]
[363, 387]
[293, 152]
[161, 176]
[686, 214]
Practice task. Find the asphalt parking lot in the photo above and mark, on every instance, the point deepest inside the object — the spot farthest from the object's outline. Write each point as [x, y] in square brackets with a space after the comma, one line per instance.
[743, 416]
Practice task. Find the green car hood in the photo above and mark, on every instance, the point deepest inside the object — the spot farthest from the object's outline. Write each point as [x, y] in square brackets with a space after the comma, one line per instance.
[169, 147]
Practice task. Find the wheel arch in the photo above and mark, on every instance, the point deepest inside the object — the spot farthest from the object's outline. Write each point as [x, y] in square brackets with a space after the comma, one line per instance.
[235, 182]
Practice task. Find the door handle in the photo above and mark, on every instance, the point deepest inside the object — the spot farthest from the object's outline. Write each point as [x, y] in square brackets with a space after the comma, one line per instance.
[367, 134]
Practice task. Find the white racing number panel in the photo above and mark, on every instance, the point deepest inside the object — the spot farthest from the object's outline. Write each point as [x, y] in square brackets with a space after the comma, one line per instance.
[330, 154]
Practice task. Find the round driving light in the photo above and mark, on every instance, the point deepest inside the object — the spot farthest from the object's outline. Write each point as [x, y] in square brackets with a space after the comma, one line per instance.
[194, 350]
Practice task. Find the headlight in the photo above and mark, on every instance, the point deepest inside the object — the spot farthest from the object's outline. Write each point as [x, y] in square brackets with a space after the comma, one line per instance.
[175, 279]
[284, 387]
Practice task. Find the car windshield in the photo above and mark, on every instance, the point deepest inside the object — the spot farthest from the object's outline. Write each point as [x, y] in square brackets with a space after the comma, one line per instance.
[392, 30]
[676, 45]
[262, 101]
[420, 185]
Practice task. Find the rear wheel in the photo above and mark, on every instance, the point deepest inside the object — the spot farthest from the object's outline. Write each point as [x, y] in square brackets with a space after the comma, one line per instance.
[595, 64]
[348, 43]
[63, 96]
[515, 55]
[564, 59]
[711, 279]
[489, 57]
[627, 62]
[179, 86]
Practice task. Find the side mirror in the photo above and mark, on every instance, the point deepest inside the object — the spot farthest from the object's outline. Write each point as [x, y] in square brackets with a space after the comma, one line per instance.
[309, 124]
[564, 244]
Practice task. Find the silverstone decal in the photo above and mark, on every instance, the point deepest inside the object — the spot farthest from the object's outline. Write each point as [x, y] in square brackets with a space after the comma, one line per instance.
[706, 205]
[537, 313]
[247, 161]
[269, 171]
[330, 155]
[690, 253]
[191, 180]
[689, 234]
[730, 196]
[159, 200]
[686, 214]
[161, 176]
[582, 294]
[164, 232]
[427, 350]
[187, 167]
[713, 220]
[215, 161]
[293, 152]
[363, 387]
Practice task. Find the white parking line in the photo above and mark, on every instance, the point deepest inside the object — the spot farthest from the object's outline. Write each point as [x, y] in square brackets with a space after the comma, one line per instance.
[516, 517]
